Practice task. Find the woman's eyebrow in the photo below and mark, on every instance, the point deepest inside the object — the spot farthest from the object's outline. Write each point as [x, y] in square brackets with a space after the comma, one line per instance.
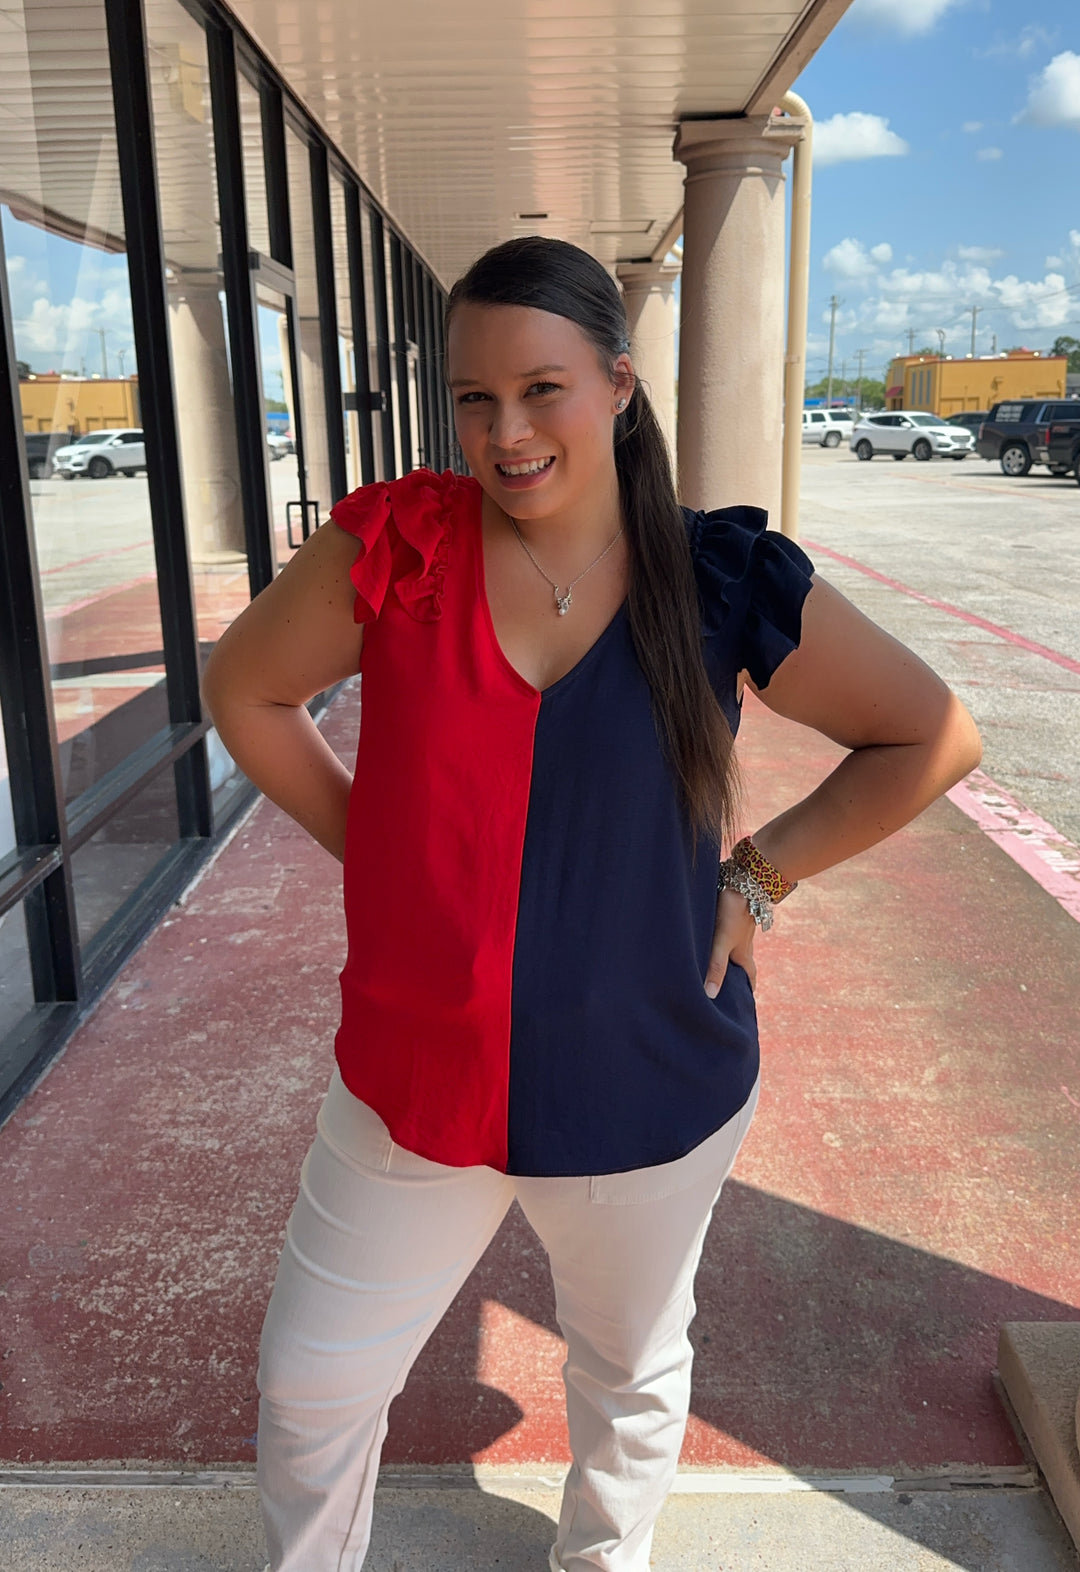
[460, 382]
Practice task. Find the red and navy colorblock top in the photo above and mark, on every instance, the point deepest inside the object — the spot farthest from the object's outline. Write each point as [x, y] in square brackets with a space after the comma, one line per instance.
[527, 934]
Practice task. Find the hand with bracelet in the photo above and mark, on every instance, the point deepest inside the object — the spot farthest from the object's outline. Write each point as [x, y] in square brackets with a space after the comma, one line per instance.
[749, 887]
[909, 738]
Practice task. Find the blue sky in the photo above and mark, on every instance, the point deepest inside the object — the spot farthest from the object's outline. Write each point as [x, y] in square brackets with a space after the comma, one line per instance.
[946, 174]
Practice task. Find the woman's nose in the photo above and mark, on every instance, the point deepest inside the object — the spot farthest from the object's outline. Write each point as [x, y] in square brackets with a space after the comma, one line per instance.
[510, 424]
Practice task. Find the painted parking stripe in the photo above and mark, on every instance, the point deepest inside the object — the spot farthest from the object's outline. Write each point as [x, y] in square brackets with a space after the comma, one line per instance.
[943, 605]
[1040, 850]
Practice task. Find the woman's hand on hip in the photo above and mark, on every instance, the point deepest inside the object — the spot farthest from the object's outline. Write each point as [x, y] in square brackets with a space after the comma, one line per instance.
[733, 940]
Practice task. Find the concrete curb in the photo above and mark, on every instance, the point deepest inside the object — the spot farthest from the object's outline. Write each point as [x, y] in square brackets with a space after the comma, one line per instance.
[1039, 1364]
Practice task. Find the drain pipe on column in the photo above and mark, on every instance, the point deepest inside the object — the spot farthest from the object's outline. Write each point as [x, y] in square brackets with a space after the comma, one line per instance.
[798, 294]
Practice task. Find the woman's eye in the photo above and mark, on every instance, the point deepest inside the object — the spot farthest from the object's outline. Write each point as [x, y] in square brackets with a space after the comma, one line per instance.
[467, 398]
[546, 387]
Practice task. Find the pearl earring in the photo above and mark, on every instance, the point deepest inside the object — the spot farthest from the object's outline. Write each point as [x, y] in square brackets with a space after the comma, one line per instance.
[622, 403]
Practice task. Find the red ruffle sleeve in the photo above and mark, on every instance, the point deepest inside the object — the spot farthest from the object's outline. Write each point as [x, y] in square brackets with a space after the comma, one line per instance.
[404, 528]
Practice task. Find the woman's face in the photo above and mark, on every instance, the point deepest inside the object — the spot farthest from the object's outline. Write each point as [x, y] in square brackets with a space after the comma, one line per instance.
[533, 407]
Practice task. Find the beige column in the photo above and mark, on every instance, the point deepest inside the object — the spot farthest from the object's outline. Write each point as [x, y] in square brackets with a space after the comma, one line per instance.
[210, 465]
[731, 348]
[649, 295]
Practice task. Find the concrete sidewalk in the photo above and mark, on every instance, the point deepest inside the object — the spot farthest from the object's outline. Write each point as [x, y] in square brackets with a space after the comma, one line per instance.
[908, 1185]
[451, 1523]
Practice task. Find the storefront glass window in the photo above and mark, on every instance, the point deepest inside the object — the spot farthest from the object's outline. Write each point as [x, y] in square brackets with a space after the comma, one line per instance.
[213, 504]
[64, 241]
[318, 489]
[251, 137]
[346, 356]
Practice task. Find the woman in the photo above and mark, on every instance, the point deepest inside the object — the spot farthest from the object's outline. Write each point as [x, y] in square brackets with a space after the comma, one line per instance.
[548, 992]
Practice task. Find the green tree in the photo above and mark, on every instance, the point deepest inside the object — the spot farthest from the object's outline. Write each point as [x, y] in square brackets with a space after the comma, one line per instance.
[1064, 345]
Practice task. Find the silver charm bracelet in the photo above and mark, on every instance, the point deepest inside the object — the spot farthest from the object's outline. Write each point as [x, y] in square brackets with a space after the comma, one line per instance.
[733, 876]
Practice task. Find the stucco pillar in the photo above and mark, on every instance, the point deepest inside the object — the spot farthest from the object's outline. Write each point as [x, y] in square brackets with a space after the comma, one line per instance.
[731, 348]
[210, 465]
[649, 295]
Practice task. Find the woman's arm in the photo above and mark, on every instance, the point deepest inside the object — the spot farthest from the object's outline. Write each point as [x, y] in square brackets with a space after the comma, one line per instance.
[910, 740]
[910, 736]
[294, 640]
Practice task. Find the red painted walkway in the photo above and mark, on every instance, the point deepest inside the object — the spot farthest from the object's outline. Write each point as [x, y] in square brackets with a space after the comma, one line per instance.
[909, 1183]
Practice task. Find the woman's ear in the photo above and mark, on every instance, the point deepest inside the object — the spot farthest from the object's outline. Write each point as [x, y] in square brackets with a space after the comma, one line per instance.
[624, 381]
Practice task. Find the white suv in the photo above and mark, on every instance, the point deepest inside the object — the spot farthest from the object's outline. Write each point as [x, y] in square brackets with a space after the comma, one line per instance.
[99, 453]
[913, 431]
[827, 427]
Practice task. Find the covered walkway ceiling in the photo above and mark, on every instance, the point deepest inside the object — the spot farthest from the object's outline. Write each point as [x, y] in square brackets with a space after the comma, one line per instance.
[474, 120]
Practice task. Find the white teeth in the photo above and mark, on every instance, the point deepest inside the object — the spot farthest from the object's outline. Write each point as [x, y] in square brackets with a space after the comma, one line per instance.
[532, 468]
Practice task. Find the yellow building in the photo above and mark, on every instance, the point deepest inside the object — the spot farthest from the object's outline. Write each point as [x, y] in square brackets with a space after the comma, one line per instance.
[51, 402]
[945, 387]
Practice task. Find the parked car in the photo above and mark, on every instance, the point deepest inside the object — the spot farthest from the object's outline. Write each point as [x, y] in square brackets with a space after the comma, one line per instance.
[913, 431]
[1063, 447]
[826, 427]
[41, 447]
[120, 451]
[1014, 432]
[971, 418]
[279, 444]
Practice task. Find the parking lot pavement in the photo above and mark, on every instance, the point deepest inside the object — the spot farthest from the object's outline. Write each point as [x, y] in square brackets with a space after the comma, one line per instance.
[979, 574]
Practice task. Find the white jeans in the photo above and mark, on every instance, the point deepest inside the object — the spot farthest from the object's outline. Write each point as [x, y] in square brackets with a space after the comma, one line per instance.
[379, 1242]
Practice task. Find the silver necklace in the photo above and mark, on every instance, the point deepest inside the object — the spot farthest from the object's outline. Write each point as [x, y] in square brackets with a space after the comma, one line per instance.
[564, 602]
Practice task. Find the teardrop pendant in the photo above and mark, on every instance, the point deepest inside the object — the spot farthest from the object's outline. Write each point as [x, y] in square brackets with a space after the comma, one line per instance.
[563, 601]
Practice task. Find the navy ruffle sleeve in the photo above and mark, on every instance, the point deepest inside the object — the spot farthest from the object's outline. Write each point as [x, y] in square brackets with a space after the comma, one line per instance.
[752, 582]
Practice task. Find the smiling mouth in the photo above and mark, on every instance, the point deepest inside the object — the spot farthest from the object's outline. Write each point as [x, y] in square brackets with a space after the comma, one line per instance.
[530, 467]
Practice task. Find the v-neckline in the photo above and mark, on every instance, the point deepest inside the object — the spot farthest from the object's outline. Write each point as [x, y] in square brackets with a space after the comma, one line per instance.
[489, 621]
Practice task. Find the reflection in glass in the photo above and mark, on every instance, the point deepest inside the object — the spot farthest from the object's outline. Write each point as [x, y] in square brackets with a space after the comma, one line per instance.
[316, 452]
[16, 983]
[7, 816]
[213, 505]
[67, 272]
[346, 356]
[279, 418]
[110, 866]
[372, 319]
[251, 138]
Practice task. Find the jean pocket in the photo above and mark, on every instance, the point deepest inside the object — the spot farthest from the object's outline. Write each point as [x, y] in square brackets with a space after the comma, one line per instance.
[353, 1128]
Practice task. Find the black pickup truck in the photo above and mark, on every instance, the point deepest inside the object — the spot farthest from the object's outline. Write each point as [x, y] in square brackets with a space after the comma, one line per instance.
[1014, 432]
[1063, 446]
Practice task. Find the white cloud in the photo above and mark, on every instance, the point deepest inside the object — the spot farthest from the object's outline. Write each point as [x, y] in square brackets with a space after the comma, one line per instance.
[988, 155]
[1074, 239]
[843, 138]
[902, 296]
[979, 253]
[1054, 95]
[972, 125]
[63, 334]
[850, 259]
[1054, 262]
[907, 17]
[1021, 47]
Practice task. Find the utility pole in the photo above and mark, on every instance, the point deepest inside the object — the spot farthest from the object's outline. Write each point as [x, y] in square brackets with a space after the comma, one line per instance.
[993, 345]
[974, 313]
[911, 341]
[833, 303]
[104, 356]
[938, 389]
[858, 385]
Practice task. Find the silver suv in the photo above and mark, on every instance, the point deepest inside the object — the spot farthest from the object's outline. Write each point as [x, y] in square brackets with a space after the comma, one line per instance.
[120, 451]
[913, 431]
[826, 427]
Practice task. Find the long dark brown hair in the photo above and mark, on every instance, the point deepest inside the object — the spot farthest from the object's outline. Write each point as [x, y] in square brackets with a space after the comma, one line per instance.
[665, 617]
